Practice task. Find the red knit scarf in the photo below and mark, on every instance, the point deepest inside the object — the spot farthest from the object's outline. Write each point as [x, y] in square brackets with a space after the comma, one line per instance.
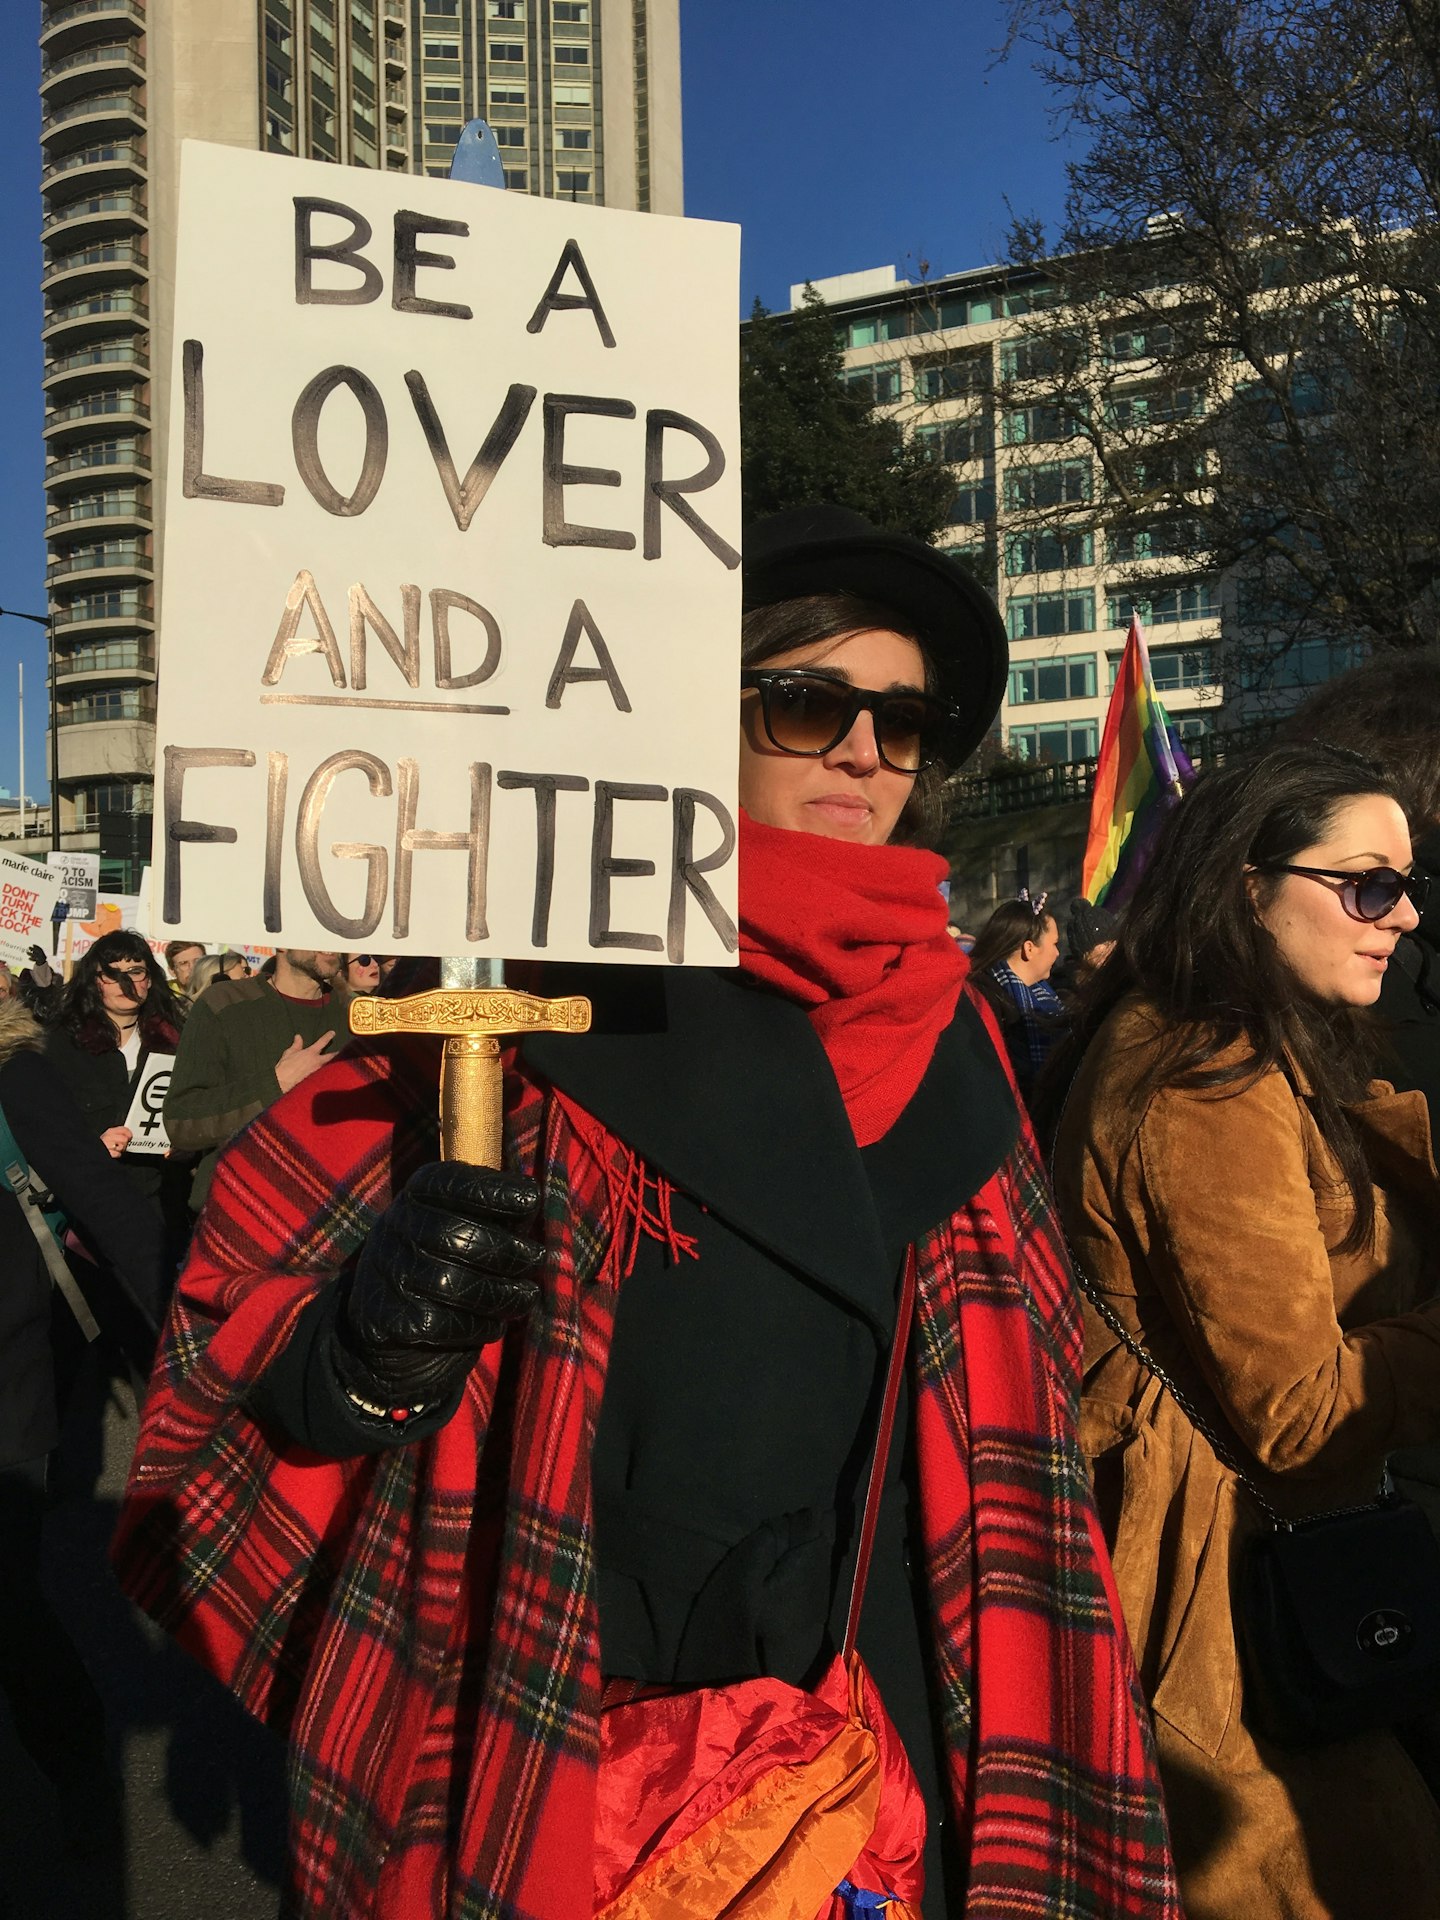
[858, 936]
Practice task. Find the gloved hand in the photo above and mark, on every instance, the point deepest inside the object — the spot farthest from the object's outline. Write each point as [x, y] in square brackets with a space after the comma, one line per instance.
[441, 1275]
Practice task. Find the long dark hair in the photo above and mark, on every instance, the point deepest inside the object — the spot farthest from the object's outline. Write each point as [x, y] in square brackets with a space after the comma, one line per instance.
[1011, 924]
[81, 1012]
[1191, 941]
[813, 618]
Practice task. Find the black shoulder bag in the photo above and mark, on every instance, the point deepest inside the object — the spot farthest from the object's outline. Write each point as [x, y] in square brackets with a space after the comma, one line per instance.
[1337, 1615]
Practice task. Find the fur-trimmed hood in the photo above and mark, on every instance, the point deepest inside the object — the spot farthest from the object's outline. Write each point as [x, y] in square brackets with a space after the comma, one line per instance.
[19, 1029]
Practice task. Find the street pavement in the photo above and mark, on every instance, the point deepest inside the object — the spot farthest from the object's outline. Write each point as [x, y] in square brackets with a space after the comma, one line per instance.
[204, 1783]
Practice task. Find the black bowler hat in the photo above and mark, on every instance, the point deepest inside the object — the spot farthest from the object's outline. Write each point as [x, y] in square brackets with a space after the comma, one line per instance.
[824, 549]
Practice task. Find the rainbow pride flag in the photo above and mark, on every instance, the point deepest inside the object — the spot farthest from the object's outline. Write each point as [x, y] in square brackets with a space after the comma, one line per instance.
[1142, 771]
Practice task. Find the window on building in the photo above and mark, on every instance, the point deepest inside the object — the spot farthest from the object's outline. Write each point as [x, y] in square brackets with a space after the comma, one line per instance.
[1040, 616]
[278, 36]
[577, 138]
[952, 376]
[277, 83]
[1070, 678]
[1048, 552]
[971, 505]
[517, 179]
[1158, 540]
[567, 182]
[956, 441]
[1049, 483]
[1151, 341]
[572, 96]
[442, 9]
[442, 49]
[507, 96]
[872, 328]
[442, 133]
[1155, 407]
[1300, 663]
[953, 310]
[511, 136]
[115, 796]
[1028, 300]
[1200, 600]
[1032, 426]
[573, 12]
[505, 9]
[879, 385]
[434, 92]
[507, 52]
[572, 56]
[1175, 669]
[1034, 358]
[1055, 742]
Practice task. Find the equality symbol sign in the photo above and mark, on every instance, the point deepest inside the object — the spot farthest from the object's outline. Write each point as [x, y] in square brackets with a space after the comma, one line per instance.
[146, 1118]
[451, 591]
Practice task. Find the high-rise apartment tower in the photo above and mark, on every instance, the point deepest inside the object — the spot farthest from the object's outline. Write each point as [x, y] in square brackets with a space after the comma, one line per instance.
[584, 96]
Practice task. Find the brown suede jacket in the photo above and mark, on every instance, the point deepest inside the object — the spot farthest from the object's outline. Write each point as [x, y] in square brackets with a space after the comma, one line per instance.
[1210, 1222]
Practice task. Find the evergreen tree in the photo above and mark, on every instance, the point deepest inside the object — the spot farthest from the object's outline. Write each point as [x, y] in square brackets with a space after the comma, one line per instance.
[806, 436]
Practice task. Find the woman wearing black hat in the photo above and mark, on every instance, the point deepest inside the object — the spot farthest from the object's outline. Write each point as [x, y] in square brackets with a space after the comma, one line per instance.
[651, 1412]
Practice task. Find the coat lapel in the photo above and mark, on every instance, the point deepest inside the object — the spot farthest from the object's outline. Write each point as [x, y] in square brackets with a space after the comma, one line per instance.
[709, 1079]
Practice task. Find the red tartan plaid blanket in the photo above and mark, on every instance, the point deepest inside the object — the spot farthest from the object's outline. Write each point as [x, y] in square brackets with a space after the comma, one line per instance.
[421, 1623]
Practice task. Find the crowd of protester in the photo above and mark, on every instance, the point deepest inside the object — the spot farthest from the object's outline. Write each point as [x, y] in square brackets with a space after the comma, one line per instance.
[1233, 1076]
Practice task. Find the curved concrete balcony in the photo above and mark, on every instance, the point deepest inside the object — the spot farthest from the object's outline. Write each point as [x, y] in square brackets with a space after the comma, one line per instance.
[117, 562]
[106, 164]
[108, 315]
[123, 513]
[101, 749]
[119, 609]
[112, 407]
[107, 264]
[83, 667]
[81, 122]
[77, 368]
[90, 70]
[72, 23]
[94, 216]
[113, 459]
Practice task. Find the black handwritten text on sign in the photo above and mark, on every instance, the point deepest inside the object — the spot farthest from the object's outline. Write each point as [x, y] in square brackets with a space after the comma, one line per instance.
[451, 570]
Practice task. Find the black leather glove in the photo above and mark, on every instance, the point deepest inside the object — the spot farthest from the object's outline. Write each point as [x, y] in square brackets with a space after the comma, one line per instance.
[38, 957]
[442, 1274]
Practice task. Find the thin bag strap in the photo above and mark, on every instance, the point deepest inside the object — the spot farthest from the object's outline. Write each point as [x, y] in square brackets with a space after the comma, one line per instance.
[56, 1265]
[871, 1516]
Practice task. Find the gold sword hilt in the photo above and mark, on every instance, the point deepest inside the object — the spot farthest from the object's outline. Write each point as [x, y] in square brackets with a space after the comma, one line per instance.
[473, 1021]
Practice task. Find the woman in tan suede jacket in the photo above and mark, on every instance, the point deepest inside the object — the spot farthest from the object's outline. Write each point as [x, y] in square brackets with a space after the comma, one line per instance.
[1267, 1224]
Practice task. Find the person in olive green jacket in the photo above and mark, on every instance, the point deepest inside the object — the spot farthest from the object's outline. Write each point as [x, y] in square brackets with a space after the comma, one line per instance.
[1264, 1219]
[245, 1043]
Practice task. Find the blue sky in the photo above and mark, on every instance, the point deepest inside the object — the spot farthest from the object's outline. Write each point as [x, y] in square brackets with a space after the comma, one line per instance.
[839, 134]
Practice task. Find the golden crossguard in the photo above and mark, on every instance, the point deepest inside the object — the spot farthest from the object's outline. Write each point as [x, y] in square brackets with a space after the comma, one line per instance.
[473, 1021]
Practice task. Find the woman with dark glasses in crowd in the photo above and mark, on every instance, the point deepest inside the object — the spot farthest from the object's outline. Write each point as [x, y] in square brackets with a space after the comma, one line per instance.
[1263, 1219]
[516, 1469]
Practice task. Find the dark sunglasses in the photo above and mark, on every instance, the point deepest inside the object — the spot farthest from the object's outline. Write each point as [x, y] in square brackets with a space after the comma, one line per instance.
[364, 959]
[1369, 895]
[120, 972]
[810, 713]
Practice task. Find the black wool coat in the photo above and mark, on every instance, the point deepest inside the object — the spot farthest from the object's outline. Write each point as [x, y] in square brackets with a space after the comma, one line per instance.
[110, 1215]
[743, 1388]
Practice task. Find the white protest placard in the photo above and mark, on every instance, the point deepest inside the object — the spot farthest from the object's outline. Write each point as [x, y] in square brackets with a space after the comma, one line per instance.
[28, 893]
[451, 596]
[79, 879]
[146, 1118]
